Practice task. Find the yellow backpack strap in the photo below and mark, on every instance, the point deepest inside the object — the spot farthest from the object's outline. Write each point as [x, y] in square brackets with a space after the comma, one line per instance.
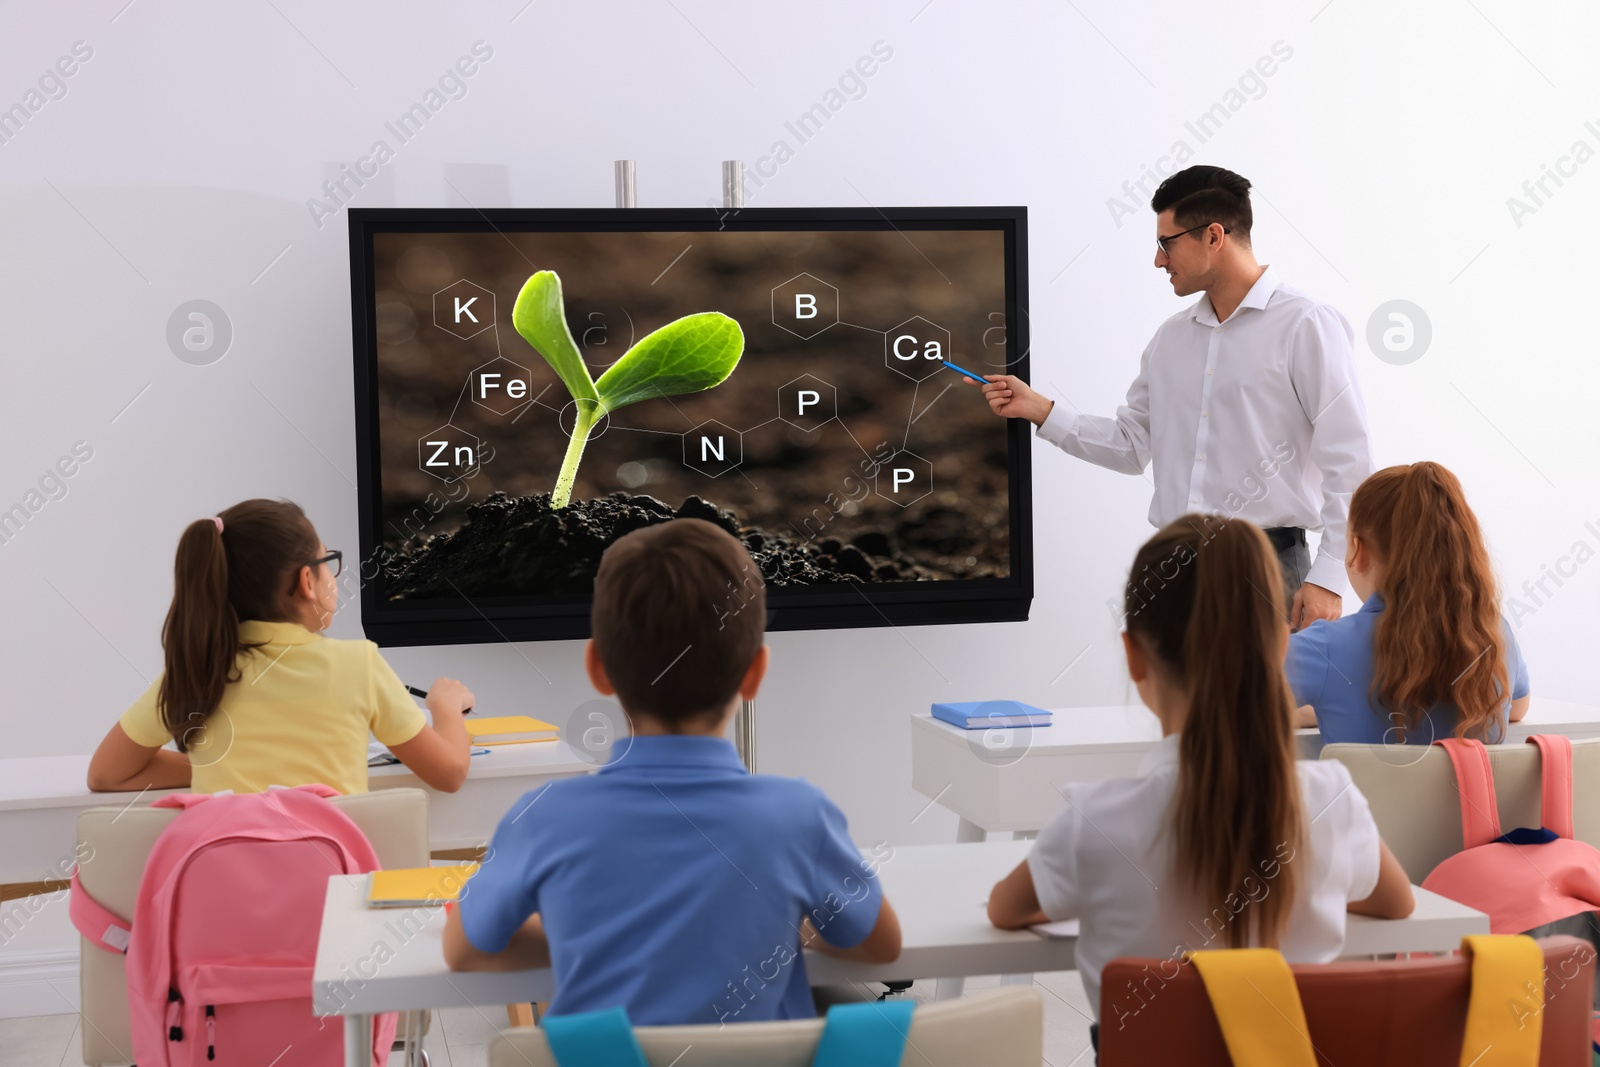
[1503, 1015]
[1257, 1006]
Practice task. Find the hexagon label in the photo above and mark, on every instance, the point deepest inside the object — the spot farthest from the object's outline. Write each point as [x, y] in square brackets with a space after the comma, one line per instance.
[916, 348]
[501, 385]
[464, 308]
[905, 479]
[713, 448]
[449, 453]
[805, 305]
[807, 402]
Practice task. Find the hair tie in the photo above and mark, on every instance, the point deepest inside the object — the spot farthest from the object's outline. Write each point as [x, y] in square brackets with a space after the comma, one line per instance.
[218, 520]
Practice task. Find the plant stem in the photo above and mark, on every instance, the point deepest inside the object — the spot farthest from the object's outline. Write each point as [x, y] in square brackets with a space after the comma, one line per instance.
[587, 414]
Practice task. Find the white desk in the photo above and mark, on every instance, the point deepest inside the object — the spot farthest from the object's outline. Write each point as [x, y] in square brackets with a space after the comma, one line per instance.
[1019, 790]
[40, 799]
[938, 891]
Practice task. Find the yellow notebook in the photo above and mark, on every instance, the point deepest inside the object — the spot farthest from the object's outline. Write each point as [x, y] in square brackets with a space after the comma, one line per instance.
[412, 887]
[508, 730]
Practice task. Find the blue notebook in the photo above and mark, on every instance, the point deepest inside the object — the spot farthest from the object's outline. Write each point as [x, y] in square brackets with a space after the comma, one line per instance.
[988, 714]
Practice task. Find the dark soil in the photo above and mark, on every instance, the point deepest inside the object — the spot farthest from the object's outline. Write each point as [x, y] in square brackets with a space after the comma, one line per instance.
[518, 546]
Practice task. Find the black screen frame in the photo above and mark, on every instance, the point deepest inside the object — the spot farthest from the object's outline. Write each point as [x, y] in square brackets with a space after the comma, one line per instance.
[390, 623]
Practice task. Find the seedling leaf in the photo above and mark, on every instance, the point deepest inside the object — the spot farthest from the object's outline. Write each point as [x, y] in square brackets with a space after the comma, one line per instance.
[540, 317]
[689, 355]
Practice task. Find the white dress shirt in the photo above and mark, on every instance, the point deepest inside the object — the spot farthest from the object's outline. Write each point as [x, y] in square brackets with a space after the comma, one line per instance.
[1106, 859]
[1258, 417]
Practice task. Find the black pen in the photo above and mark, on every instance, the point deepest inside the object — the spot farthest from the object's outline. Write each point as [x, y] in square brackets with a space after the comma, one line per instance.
[423, 693]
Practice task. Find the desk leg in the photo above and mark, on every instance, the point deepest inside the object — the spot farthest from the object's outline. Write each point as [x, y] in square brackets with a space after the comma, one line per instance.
[1016, 979]
[968, 831]
[358, 1041]
[949, 988]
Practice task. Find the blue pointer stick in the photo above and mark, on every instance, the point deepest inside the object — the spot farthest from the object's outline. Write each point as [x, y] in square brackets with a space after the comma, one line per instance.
[962, 370]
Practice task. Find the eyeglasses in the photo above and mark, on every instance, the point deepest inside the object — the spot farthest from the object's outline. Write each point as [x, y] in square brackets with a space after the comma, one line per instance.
[334, 557]
[1164, 244]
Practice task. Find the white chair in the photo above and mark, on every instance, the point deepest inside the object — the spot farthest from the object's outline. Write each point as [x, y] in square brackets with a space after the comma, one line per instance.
[117, 842]
[999, 1028]
[1412, 793]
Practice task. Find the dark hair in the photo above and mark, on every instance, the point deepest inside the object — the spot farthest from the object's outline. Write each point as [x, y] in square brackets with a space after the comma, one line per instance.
[1441, 603]
[1201, 195]
[242, 571]
[1204, 599]
[678, 616]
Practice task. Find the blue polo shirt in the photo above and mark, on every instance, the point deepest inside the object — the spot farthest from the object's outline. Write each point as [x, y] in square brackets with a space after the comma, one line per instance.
[1330, 667]
[672, 883]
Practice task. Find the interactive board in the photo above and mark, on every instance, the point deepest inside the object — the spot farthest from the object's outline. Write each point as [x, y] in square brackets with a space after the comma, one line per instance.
[531, 385]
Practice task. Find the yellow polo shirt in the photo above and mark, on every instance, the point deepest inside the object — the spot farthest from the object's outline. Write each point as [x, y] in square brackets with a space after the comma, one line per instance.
[300, 712]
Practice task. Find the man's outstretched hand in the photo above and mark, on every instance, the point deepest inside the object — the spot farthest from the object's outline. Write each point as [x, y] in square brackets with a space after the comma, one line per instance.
[1012, 398]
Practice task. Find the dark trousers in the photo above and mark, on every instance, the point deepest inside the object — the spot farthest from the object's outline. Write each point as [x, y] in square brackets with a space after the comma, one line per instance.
[1293, 556]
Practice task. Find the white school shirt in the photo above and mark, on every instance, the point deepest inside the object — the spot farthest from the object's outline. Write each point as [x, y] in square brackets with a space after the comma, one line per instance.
[1106, 860]
[1258, 417]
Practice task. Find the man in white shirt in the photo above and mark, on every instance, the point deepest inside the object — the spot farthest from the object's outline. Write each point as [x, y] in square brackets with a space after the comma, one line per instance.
[1246, 403]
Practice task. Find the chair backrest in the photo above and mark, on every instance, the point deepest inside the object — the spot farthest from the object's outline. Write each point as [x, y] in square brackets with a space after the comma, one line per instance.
[1387, 1013]
[1412, 793]
[116, 841]
[998, 1028]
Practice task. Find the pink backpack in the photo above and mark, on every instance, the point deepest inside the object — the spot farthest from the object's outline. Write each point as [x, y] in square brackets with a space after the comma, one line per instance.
[1528, 877]
[224, 932]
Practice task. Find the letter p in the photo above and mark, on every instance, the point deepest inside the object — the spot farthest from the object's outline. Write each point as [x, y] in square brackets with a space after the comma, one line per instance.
[808, 398]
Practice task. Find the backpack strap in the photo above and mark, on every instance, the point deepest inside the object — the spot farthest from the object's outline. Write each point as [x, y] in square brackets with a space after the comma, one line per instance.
[593, 1039]
[1555, 789]
[870, 1034]
[1480, 814]
[1257, 1005]
[1507, 998]
[95, 922]
[181, 801]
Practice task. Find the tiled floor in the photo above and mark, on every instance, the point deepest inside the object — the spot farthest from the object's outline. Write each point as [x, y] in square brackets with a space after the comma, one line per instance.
[460, 1036]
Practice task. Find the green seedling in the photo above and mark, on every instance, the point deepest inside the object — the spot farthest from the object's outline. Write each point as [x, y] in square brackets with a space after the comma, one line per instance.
[688, 355]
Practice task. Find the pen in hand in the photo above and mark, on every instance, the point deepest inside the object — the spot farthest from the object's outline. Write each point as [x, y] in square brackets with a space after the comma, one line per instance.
[423, 694]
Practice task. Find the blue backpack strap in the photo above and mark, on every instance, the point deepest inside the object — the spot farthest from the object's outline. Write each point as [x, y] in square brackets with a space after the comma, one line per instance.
[593, 1039]
[865, 1035]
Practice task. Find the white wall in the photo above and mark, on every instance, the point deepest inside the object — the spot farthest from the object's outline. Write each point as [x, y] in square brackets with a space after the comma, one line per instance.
[179, 164]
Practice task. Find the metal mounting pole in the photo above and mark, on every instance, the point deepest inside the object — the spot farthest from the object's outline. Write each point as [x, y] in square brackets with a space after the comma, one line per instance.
[625, 190]
[744, 731]
[733, 183]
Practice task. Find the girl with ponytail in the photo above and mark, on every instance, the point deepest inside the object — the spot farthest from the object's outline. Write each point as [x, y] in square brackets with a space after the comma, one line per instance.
[251, 695]
[1223, 840]
[1428, 655]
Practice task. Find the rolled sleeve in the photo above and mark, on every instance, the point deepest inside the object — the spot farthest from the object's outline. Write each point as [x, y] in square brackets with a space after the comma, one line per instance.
[846, 893]
[1053, 864]
[392, 716]
[1322, 370]
[1307, 663]
[142, 722]
[504, 892]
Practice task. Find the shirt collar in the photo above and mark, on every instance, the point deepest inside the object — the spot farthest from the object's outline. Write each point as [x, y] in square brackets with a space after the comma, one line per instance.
[1164, 754]
[257, 632]
[1373, 603]
[673, 750]
[1203, 313]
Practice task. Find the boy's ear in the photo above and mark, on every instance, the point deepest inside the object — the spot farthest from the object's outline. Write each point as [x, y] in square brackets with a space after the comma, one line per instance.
[597, 671]
[758, 670]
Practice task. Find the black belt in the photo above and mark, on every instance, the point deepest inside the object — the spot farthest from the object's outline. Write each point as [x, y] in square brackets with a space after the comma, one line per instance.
[1284, 538]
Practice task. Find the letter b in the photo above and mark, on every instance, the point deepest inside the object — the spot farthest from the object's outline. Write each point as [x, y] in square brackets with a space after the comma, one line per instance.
[805, 306]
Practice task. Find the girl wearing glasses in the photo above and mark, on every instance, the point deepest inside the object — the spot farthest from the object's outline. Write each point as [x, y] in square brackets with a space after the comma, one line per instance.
[252, 695]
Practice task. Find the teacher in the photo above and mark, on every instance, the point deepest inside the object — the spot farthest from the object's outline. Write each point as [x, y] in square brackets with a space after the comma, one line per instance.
[1246, 403]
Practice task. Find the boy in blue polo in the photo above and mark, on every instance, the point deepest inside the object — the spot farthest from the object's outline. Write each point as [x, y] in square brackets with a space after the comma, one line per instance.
[672, 882]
